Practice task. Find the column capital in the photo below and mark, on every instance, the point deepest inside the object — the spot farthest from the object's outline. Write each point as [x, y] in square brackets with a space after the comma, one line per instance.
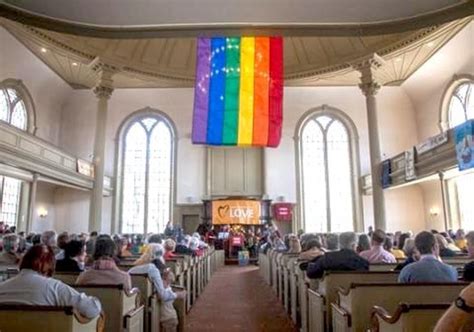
[102, 91]
[370, 88]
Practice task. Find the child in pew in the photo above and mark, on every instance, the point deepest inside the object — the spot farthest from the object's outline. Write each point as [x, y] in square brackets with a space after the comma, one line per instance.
[169, 316]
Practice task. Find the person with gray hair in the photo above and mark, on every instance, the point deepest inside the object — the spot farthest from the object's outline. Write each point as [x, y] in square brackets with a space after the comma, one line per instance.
[9, 256]
[345, 259]
[468, 273]
[50, 238]
[332, 241]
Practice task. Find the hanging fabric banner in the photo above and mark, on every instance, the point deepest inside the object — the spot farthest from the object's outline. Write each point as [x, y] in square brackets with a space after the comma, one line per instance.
[238, 96]
[464, 140]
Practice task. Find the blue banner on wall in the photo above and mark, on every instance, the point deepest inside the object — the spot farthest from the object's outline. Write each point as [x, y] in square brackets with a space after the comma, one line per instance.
[463, 136]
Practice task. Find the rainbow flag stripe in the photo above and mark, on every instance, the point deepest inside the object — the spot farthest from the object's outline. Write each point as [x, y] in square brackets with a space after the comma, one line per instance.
[238, 97]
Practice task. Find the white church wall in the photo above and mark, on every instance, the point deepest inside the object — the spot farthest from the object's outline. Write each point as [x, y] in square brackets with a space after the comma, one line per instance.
[44, 201]
[47, 89]
[72, 209]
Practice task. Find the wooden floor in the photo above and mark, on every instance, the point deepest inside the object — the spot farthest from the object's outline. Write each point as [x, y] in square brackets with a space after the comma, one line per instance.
[237, 299]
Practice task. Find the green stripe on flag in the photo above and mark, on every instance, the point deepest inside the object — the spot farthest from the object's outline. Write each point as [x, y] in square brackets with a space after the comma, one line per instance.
[232, 87]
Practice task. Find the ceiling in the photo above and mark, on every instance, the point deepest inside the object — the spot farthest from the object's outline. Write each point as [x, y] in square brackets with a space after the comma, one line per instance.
[172, 18]
[170, 62]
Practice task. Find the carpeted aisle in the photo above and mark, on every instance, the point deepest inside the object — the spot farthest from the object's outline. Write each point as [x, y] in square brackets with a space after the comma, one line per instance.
[237, 299]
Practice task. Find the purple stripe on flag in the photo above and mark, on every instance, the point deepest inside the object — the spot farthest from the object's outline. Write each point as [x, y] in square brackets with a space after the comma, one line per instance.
[201, 93]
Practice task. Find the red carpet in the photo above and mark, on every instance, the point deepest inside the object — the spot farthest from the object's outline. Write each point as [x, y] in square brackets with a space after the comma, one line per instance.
[237, 299]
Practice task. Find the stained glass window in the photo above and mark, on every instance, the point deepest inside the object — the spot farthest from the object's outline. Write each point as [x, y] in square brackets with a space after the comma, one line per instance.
[461, 109]
[12, 111]
[147, 176]
[326, 176]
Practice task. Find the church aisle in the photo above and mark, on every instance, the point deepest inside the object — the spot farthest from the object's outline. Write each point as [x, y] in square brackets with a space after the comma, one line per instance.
[237, 299]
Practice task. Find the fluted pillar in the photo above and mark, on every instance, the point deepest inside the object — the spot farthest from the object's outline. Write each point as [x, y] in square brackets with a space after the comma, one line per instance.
[370, 86]
[102, 91]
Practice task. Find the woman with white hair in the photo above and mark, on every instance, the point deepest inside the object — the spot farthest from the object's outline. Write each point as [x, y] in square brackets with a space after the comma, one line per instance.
[10, 256]
[151, 262]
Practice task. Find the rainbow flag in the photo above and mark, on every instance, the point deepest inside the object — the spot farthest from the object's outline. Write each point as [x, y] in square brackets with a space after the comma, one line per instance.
[238, 95]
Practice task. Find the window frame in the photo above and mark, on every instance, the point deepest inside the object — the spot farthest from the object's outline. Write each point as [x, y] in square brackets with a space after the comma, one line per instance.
[117, 222]
[349, 125]
[455, 82]
[25, 96]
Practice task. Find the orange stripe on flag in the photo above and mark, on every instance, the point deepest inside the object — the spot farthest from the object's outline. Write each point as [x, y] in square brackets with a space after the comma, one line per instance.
[261, 91]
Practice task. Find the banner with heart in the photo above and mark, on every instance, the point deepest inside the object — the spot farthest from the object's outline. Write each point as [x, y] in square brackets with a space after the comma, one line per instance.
[236, 212]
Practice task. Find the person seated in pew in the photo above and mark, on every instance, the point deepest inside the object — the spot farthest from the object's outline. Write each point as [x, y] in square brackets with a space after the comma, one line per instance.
[9, 255]
[34, 285]
[411, 253]
[122, 244]
[63, 239]
[104, 270]
[363, 243]
[169, 246]
[332, 242]
[468, 273]
[183, 247]
[169, 316]
[444, 251]
[310, 250]
[429, 268]
[346, 259]
[460, 240]
[397, 253]
[460, 315]
[50, 238]
[294, 245]
[377, 254]
[149, 263]
[74, 257]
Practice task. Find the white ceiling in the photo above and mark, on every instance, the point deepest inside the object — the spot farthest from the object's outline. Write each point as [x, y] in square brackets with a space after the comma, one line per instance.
[170, 62]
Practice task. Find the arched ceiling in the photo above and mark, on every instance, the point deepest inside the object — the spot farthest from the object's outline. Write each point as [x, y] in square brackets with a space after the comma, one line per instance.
[172, 18]
[170, 62]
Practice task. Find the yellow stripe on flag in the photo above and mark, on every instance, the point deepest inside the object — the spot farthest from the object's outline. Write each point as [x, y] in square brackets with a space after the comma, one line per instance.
[247, 62]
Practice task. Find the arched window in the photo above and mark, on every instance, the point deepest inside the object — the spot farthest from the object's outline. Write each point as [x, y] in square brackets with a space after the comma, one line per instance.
[147, 159]
[16, 109]
[460, 108]
[461, 104]
[327, 169]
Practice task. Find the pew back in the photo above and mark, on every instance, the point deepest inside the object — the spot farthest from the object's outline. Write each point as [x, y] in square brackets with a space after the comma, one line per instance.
[14, 318]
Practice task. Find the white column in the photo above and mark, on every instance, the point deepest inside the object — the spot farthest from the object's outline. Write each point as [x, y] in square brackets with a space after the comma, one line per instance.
[103, 91]
[370, 87]
[32, 203]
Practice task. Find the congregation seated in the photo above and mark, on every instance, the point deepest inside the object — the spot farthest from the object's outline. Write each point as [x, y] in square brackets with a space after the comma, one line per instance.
[468, 273]
[104, 270]
[294, 245]
[9, 254]
[149, 263]
[311, 248]
[34, 285]
[122, 244]
[74, 257]
[49, 238]
[170, 247]
[90, 244]
[444, 250]
[182, 248]
[411, 253]
[168, 314]
[460, 240]
[377, 254]
[346, 259]
[363, 243]
[388, 246]
[332, 242]
[62, 240]
[429, 268]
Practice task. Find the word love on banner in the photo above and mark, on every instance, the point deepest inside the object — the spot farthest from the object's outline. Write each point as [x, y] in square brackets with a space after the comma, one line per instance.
[238, 97]
[231, 212]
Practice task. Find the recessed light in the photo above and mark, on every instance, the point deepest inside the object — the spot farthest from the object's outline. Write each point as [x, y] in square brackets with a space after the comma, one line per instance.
[430, 44]
[43, 50]
[74, 63]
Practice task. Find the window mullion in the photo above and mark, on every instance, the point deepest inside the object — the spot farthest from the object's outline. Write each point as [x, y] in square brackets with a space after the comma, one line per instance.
[326, 174]
[147, 181]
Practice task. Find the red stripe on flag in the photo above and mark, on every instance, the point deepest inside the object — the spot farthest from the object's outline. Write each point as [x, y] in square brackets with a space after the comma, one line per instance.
[275, 102]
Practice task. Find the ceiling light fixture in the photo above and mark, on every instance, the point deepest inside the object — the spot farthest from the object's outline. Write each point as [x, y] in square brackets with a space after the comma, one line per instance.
[74, 63]
[43, 50]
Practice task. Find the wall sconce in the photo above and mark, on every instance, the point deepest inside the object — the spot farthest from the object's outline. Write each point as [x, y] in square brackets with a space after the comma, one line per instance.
[434, 211]
[42, 212]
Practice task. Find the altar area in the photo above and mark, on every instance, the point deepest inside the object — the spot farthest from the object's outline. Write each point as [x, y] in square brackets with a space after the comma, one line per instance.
[237, 225]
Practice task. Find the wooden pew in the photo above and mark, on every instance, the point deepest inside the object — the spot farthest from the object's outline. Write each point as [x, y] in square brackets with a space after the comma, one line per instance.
[67, 277]
[321, 298]
[149, 299]
[408, 317]
[286, 261]
[384, 267]
[352, 310]
[122, 308]
[15, 318]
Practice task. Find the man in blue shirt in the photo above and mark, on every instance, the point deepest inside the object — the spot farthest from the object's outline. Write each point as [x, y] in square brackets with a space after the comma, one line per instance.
[429, 268]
